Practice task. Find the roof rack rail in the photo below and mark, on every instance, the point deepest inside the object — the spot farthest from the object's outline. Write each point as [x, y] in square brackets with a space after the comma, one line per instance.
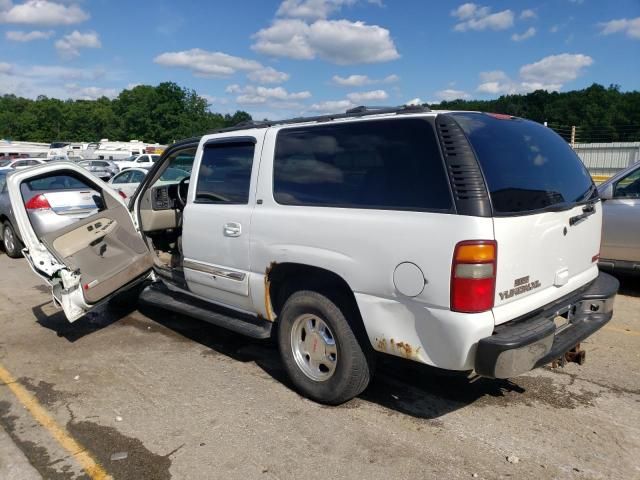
[360, 111]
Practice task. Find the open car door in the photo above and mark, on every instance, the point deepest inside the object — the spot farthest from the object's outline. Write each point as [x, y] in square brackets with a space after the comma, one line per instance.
[85, 253]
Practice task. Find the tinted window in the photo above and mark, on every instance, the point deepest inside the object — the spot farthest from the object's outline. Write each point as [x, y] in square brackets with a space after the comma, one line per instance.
[385, 164]
[56, 183]
[225, 173]
[136, 177]
[526, 165]
[5, 163]
[629, 186]
[173, 175]
[122, 177]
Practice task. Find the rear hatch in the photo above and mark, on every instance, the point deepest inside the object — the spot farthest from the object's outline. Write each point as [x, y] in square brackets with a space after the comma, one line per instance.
[547, 216]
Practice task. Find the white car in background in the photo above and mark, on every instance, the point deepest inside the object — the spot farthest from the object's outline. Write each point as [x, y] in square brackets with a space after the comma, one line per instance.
[140, 161]
[19, 163]
[127, 181]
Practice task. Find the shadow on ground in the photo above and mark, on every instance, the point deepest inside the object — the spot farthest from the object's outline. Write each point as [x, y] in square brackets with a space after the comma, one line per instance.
[629, 285]
[399, 385]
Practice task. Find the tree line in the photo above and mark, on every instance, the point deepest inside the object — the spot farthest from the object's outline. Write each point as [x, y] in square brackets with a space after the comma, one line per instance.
[162, 113]
[601, 114]
[168, 112]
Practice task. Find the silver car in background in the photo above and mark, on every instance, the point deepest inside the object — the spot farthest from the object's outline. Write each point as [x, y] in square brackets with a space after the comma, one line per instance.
[56, 202]
[103, 169]
[620, 248]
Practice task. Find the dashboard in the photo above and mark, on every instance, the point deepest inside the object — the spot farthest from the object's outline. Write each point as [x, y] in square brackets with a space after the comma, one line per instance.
[164, 197]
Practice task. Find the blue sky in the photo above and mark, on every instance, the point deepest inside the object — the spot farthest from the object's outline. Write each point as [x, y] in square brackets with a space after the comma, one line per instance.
[289, 57]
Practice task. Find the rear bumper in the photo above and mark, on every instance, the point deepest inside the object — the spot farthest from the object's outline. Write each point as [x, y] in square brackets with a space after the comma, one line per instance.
[521, 345]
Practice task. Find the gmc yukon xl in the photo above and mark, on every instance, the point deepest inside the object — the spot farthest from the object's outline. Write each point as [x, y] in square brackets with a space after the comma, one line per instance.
[466, 241]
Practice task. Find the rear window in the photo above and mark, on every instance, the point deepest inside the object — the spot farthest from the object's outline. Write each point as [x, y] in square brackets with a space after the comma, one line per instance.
[380, 164]
[527, 166]
[56, 183]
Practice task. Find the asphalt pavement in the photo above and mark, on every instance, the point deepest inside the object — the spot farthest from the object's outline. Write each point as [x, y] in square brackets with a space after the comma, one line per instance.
[132, 394]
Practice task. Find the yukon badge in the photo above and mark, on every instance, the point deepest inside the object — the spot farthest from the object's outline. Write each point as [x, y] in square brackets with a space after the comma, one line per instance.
[520, 286]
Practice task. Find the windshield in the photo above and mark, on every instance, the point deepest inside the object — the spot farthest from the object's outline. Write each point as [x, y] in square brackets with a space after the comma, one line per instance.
[527, 166]
[174, 175]
[4, 163]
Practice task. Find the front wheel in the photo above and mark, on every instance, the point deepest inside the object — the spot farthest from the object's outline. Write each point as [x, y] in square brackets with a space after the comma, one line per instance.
[319, 349]
[12, 244]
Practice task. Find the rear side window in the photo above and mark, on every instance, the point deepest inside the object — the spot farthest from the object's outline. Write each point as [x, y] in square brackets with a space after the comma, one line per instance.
[56, 183]
[527, 166]
[380, 164]
[225, 173]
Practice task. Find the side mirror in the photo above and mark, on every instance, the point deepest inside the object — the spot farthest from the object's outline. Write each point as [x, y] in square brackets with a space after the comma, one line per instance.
[607, 192]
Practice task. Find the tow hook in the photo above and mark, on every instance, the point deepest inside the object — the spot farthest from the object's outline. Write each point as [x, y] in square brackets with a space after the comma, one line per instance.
[575, 355]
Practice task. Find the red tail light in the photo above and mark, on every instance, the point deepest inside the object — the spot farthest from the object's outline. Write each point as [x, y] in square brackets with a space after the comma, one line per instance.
[122, 194]
[39, 202]
[473, 276]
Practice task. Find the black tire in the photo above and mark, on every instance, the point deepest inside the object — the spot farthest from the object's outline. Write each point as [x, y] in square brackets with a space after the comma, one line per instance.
[14, 247]
[353, 367]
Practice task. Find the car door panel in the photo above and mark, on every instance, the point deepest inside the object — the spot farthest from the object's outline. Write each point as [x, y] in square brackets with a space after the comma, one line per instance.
[621, 222]
[217, 219]
[89, 260]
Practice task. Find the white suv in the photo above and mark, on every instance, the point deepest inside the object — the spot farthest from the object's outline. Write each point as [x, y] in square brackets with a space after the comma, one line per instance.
[137, 161]
[462, 240]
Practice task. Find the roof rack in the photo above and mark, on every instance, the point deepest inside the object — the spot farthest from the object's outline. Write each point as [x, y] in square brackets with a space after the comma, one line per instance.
[361, 111]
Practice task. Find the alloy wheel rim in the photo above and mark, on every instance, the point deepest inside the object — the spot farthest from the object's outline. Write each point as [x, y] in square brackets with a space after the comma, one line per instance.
[8, 239]
[314, 347]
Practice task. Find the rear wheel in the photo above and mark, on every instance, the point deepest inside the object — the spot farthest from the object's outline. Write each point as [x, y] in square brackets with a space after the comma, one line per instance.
[12, 244]
[319, 349]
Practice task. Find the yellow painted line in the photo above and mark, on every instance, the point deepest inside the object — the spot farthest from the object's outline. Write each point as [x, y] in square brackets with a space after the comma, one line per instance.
[37, 411]
[633, 333]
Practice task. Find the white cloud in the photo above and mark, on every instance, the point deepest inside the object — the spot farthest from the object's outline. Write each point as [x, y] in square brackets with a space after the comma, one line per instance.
[528, 14]
[203, 63]
[493, 75]
[268, 75]
[518, 37]
[475, 17]
[351, 80]
[362, 80]
[556, 69]
[69, 46]
[315, 9]
[52, 80]
[251, 95]
[42, 12]
[451, 94]
[363, 97]
[89, 93]
[332, 106]
[550, 74]
[337, 41]
[629, 26]
[19, 36]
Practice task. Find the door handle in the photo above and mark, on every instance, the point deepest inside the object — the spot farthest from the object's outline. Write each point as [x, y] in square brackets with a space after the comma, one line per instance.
[232, 229]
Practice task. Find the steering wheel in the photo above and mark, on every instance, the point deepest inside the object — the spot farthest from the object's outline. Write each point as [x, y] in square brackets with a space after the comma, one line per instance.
[183, 188]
